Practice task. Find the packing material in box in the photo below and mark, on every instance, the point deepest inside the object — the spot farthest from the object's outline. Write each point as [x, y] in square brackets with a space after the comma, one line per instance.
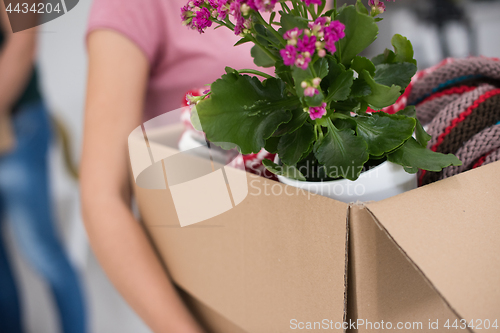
[277, 259]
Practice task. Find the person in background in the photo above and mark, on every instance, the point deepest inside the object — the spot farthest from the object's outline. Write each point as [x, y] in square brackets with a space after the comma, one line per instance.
[141, 63]
[24, 188]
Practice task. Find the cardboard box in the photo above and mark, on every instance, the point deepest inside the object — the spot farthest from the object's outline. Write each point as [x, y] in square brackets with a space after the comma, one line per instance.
[279, 262]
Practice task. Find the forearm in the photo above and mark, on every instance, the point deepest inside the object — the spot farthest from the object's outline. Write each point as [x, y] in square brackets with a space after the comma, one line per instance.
[125, 253]
[17, 57]
[16, 66]
[118, 79]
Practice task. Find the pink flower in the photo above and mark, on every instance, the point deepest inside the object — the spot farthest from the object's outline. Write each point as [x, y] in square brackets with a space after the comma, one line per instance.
[319, 24]
[221, 6]
[288, 54]
[335, 31]
[330, 45]
[315, 2]
[310, 91]
[302, 61]
[201, 20]
[265, 5]
[292, 34]
[377, 6]
[235, 9]
[316, 112]
[186, 14]
[307, 44]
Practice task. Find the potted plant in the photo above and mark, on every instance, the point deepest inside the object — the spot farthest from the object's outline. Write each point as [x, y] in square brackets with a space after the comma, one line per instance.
[318, 111]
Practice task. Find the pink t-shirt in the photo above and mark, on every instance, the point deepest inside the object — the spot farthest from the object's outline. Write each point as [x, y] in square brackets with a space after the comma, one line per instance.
[180, 58]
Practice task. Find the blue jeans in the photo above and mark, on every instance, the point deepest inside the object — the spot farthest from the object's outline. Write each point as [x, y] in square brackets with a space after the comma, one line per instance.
[25, 202]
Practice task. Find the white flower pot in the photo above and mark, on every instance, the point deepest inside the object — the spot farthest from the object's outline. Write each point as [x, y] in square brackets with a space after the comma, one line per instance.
[381, 182]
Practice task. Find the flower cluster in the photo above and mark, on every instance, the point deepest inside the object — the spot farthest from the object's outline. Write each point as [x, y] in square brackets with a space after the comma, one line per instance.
[316, 112]
[302, 44]
[377, 7]
[311, 89]
[195, 16]
[199, 14]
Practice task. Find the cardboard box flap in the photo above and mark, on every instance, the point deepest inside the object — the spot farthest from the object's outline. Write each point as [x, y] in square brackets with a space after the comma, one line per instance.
[450, 230]
[256, 274]
[383, 283]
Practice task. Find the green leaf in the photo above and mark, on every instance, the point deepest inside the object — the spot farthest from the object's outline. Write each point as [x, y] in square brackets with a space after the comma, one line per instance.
[293, 146]
[399, 74]
[299, 117]
[420, 134]
[341, 86]
[260, 58]
[271, 19]
[289, 21]
[244, 111]
[287, 171]
[384, 132]
[360, 88]
[230, 70]
[403, 52]
[329, 13]
[342, 153]
[360, 63]
[345, 106]
[381, 95]
[334, 70]
[412, 155]
[272, 144]
[361, 30]
[361, 7]
[384, 58]
[243, 41]
[321, 68]
[403, 49]
[283, 72]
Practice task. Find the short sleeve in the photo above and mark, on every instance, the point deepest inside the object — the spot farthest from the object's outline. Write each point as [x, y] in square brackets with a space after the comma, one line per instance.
[138, 20]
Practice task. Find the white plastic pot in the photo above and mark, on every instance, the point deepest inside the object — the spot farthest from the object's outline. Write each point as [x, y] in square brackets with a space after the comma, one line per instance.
[381, 182]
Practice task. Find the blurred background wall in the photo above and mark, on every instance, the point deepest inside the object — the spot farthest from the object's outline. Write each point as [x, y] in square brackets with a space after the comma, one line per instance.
[62, 62]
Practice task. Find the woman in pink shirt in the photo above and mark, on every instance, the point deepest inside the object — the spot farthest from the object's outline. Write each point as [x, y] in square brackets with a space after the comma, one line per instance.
[141, 63]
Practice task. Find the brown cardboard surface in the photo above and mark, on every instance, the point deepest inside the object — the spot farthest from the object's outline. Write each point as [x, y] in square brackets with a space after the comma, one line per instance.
[210, 320]
[384, 285]
[450, 230]
[428, 254]
[270, 259]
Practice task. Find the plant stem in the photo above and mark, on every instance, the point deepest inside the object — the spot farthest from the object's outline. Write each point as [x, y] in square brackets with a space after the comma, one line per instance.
[335, 9]
[256, 72]
[311, 67]
[285, 8]
[320, 8]
[266, 51]
[313, 14]
[273, 31]
[331, 127]
[295, 6]
[340, 116]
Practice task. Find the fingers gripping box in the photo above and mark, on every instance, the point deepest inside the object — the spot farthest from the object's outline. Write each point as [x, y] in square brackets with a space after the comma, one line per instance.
[252, 255]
